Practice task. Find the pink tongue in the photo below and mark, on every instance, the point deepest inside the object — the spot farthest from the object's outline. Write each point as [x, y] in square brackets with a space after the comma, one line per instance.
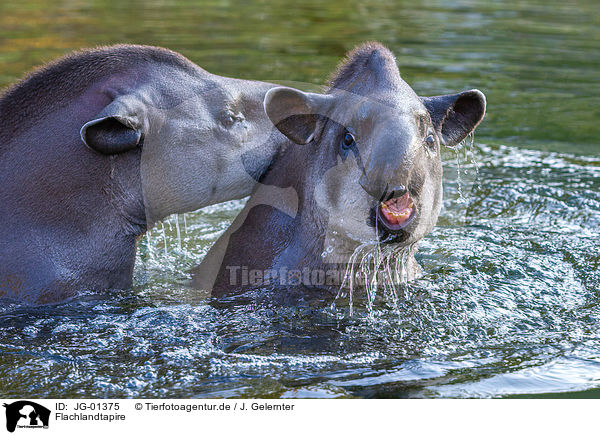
[397, 210]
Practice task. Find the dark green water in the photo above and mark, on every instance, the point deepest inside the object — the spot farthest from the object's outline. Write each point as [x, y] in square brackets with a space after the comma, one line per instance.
[509, 304]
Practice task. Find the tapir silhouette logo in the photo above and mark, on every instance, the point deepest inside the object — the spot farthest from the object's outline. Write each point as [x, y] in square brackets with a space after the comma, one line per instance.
[26, 414]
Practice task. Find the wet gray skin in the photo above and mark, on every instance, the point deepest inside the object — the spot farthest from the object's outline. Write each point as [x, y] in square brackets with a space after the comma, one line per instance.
[366, 143]
[163, 136]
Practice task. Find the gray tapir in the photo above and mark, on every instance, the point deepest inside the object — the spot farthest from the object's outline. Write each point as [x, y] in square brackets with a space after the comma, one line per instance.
[363, 169]
[98, 145]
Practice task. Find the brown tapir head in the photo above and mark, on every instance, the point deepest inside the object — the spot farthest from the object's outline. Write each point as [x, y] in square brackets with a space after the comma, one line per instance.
[375, 163]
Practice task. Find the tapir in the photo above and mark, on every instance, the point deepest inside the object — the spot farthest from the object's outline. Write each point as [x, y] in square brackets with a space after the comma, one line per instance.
[362, 168]
[99, 145]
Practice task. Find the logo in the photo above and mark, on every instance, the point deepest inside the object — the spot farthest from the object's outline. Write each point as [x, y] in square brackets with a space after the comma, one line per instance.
[27, 415]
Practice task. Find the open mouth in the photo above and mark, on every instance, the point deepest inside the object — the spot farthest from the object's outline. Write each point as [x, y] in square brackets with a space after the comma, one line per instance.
[396, 213]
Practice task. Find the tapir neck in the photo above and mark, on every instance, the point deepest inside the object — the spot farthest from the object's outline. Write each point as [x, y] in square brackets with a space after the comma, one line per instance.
[281, 228]
[125, 194]
[302, 223]
[76, 218]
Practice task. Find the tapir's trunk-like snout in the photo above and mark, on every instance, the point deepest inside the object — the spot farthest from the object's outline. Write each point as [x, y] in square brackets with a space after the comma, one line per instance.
[386, 173]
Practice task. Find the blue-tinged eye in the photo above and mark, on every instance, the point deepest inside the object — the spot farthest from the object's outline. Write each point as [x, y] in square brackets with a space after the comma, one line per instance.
[348, 141]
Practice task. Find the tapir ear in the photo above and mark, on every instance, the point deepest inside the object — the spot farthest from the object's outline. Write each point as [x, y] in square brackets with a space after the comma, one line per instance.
[296, 113]
[455, 116]
[117, 128]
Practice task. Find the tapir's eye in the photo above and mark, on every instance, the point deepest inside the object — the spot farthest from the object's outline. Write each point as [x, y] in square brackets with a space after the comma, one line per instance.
[430, 141]
[348, 140]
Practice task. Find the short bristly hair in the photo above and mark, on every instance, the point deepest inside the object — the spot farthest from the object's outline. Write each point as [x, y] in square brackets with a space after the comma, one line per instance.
[368, 64]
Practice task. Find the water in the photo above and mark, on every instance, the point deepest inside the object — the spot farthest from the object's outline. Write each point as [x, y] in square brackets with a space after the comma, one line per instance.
[509, 302]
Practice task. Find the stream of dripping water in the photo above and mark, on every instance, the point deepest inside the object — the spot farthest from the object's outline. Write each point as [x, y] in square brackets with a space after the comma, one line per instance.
[178, 232]
[164, 234]
[167, 239]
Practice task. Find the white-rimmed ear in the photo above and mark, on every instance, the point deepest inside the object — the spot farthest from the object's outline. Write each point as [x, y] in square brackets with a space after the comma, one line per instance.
[455, 116]
[117, 129]
[295, 113]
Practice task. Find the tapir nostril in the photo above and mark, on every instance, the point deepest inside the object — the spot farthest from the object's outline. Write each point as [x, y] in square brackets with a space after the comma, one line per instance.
[396, 192]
